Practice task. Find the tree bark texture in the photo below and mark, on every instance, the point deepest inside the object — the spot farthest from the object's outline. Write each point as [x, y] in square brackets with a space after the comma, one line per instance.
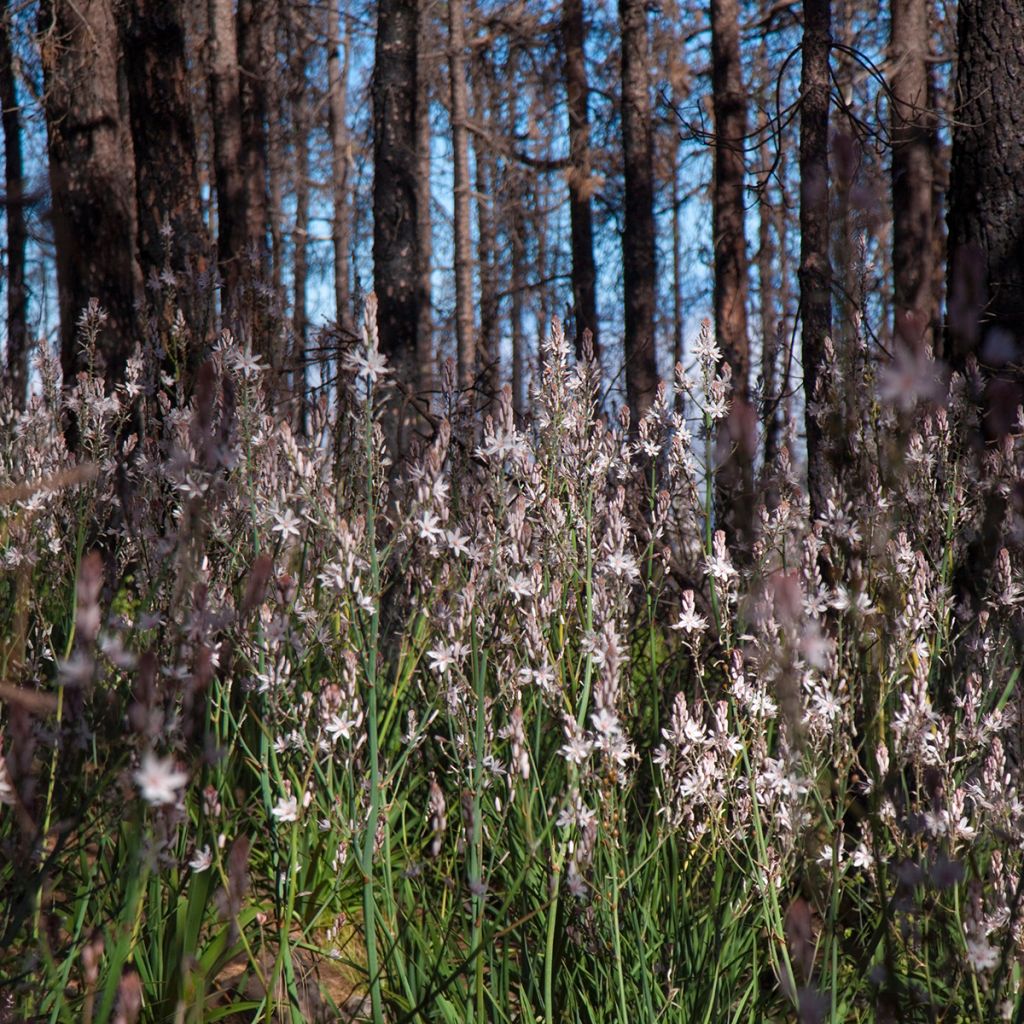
[464, 324]
[337, 124]
[395, 236]
[913, 216]
[815, 267]
[166, 186]
[426, 359]
[580, 178]
[227, 149]
[255, 32]
[17, 231]
[986, 203]
[92, 179]
[730, 240]
[638, 237]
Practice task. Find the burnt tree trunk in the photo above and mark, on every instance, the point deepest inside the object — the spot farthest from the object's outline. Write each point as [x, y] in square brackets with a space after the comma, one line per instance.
[464, 326]
[17, 231]
[815, 267]
[581, 219]
[167, 189]
[255, 32]
[986, 251]
[426, 363]
[92, 179]
[638, 237]
[913, 216]
[227, 149]
[986, 202]
[739, 435]
[337, 124]
[395, 236]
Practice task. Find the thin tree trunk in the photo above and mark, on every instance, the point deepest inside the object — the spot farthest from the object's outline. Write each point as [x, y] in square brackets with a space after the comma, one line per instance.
[426, 362]
[17, 231]
[815, 267]
[486, 197]
[730, 106]
[581, 221]
[337, 121]
[256, 20]
[769, 311]
[92, 180]
[913, 216]
[300, 236]
[518, 289]
[638, 237]
[986, 195]
[396, 256]
[464, 327]
[167, 190]
[734, 497]
[232, 216]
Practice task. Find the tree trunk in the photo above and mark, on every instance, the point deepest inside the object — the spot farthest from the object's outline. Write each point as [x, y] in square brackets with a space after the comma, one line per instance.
[167, 190]
[256, 43]
[426, 360]
[986, 203]
[300, 118]
[734, 496]
[337, 121]
[17, 232]
[487, 245]
[638, 238]
[913, 217]
[232, 216]
[464, 331]
[815, 267]
[396, 260]
[581, 221]
[730, 240]
[92, 179]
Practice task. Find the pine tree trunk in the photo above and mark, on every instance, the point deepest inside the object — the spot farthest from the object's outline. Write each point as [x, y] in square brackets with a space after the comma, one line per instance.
[913, 217]
[464, 325]
[92, 179]
[17, 231]
[426, 360]
[486, 197]
[638, 237]
[255, 21]
[734, 497]
[300, 119]
[815, 267]
[581, 221]
[232, 217]
[337, 121]
[986, 199]
[396, 261]
[167, 190]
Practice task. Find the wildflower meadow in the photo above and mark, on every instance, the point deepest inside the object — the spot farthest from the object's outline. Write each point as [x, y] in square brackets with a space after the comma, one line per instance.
[487, 719]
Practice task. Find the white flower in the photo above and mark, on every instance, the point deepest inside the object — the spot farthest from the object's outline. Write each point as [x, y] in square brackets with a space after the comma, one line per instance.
[981, 955]
[158, 780]
[576, 750]
[622, 565]
[429, 526]
[339, 726]
[368, 364]
[247, 364]
[287, 809]
[605, 722]
[520, 586]
[201, 859]
[689, 621]
[286, 523]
